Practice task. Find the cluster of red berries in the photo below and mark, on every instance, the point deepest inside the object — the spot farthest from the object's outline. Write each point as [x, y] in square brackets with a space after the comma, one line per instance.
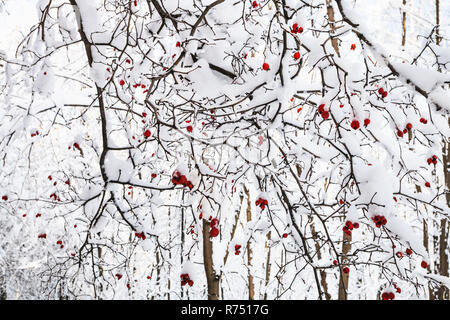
[296, 28]
[423, 120]
[382, 92]
[42, 236]
[400, 133]
[141, 235]
[262, 203]
[349, 227]
[214, 231]
[388, 296]
[185, 279]
[325, 114]
[237, 249]
[432, 160]
[379, 221]
[178, 178]
[60, 243]
[55, 197]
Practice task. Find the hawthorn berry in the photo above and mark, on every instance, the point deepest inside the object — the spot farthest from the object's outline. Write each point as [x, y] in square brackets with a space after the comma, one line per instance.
[147, 133]
[214, 232]
[346, 270]
[189, 129]
[325, 115]
[355, 124]
[366, 122]
[297, 55]
[265, 66]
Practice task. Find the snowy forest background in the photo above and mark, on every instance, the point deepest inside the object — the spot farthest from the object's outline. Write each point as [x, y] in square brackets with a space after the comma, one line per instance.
[224, 149]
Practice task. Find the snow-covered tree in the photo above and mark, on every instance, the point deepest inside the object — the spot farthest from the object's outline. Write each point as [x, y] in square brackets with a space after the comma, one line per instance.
[225, 149]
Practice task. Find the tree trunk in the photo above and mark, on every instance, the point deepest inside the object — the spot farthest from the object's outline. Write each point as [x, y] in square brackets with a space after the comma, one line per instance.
[212, 278]
[251, 285]
[343, 279]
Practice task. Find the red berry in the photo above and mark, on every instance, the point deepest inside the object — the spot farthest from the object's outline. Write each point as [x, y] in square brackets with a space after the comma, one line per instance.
[409, 126]
[214, 232]
[409, 251]
[355, 124]
[297, 55]
[400, 133]
[178, 43]
[5, 198]
[353, 46]
[189, 129]
[321, 108]
[427, 184]
[285, 235]
[265, 66]
[335, 262]
[214, 222]
[380, 91]
[119, 276]
[325, 115]
[346, 270]
[122, 82]
[255, 4]
[147, 133]
[385, 296]
[424, 264]
[366, 122]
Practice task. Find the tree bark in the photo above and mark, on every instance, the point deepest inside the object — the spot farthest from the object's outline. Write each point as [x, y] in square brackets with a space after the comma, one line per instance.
[212, 278]
[343, 279]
